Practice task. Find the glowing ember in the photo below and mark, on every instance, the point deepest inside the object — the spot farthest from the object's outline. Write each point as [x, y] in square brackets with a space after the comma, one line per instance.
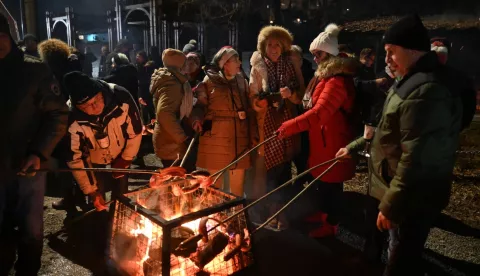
[145, 228]
[138, 240]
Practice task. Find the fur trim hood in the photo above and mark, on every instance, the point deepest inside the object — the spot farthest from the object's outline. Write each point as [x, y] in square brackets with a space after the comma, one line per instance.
[55, 53]
[337, 66]
[277, 32]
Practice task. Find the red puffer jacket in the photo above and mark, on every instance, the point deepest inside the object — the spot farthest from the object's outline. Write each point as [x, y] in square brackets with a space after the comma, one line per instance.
[327, 118]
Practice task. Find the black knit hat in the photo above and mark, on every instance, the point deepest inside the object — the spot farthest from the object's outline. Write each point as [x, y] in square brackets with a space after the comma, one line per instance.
[408, 33]
[81, 87]
[4, 26]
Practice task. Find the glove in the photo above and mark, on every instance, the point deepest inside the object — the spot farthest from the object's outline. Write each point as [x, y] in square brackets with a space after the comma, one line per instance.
[286, 129]
[98, 201]
[120, 163]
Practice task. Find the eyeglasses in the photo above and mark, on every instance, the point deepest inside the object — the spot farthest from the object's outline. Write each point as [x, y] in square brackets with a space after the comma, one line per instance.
[94, 102]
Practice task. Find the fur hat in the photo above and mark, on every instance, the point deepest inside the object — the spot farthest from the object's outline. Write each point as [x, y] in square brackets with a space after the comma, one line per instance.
[222, 56]
[276, 32]
[54, 52]
[327, 41]
[409, 33]
[173, 58]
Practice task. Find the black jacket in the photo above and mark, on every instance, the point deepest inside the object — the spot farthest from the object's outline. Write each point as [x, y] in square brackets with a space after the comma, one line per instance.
[369, 98]
[34, 111]
[102, 67]
[125, 76]
[145, 72]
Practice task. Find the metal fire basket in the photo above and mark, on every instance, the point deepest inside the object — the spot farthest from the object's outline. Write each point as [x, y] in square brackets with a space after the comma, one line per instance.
[149, 225]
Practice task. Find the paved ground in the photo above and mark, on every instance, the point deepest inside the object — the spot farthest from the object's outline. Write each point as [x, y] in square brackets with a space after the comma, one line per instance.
[453, 247]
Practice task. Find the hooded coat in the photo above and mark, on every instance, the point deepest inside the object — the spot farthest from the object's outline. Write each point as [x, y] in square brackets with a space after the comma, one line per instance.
[332, 94]
[226, 136]
[167, 88]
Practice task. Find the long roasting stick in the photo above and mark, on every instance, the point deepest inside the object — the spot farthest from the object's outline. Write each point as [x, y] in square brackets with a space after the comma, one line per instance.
[195, 137]
[197, 237]
[294, 198]
[222, 171]
[245, 154]
[99, 170]
[73, 221]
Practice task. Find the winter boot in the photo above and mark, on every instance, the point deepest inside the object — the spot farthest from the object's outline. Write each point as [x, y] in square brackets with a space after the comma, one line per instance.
[324, 231]
[317, 217]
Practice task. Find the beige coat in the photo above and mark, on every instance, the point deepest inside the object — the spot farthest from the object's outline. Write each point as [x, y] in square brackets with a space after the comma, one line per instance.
[219, 101]
[259, 83]
[167, 92]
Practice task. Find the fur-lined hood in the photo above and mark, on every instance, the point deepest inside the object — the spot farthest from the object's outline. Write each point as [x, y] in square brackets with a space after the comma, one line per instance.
[277, 32]
[55, 53]
[337, 66]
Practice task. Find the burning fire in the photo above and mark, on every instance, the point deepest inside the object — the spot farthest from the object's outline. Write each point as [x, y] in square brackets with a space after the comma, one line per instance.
[185, 266]
[145, 227]
[138, 250]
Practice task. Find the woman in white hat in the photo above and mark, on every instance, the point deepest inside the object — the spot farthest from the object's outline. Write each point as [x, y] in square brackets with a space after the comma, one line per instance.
[329, 102]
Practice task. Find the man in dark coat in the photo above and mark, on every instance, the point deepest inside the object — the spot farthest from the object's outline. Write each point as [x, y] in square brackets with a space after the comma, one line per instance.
[123, 47]
[124, 73]
[102, 68]
[35, 120]
[413, 149]
[145, 69]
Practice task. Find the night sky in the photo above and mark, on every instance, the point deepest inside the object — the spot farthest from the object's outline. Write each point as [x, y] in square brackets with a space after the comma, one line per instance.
[91, 13]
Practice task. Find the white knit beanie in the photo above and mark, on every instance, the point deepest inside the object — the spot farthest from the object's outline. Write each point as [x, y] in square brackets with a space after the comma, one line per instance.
[327, 41]
[222, 56]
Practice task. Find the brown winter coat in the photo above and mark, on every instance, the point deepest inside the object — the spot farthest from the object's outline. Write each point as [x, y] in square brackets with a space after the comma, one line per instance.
[259, 83]
[229, 136]
[167, 93]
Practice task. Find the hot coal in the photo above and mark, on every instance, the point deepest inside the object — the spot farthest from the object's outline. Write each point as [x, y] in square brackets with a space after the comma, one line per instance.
[214, 247]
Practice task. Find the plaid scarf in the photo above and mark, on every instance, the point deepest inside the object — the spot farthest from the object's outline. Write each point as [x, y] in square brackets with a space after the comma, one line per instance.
[280, 74]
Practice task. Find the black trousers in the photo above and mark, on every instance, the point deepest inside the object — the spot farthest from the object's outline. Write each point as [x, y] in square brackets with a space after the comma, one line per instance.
[329, 198]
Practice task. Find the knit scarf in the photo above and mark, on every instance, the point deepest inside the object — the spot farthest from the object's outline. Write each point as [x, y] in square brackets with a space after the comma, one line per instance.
[187, 102]
[279, 75]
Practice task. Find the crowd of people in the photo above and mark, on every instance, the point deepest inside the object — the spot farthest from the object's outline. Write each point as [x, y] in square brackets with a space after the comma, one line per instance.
[408, 119]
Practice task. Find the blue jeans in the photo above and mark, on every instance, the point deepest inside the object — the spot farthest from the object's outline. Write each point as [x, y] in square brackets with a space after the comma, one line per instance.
[21, 205]
[406, 245]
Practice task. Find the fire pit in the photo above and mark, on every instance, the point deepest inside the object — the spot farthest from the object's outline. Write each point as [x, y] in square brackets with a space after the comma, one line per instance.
[149, 225]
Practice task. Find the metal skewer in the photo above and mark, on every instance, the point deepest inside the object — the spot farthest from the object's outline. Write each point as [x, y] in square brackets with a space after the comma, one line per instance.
[190, 146]
[222, 171]
[98, 170]
[199, 236]
[294, 198]
[73, 221]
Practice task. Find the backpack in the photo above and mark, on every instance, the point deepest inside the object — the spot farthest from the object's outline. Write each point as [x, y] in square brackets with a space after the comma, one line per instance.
[456, 82]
